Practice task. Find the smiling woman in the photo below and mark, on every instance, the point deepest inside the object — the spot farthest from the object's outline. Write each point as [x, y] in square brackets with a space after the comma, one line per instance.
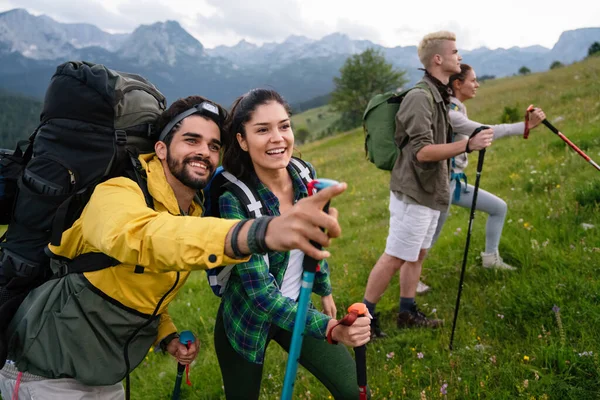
[259, 303]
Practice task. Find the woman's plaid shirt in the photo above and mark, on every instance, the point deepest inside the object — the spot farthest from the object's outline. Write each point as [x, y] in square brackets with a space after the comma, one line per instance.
[252, 300]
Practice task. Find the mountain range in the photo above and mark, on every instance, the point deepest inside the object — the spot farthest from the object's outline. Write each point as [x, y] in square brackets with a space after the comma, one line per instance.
[179, 65]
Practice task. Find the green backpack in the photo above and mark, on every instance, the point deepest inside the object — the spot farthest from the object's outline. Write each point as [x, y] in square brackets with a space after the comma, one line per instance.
[379, 124]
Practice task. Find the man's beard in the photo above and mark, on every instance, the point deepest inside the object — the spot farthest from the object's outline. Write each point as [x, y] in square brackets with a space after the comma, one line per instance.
[181, 171]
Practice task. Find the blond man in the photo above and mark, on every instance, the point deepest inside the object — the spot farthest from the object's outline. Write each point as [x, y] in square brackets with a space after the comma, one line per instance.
[419, 185]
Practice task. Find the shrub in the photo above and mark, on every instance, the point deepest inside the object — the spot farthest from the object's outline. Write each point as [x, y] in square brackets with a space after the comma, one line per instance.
[510, 115]
[594, 49]
[301, 135]
[524, 70]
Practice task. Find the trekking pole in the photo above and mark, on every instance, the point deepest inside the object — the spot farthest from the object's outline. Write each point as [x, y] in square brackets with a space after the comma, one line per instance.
[471, 217]
[187, 338]
[565, 139]
[360, 352]
[310, 267]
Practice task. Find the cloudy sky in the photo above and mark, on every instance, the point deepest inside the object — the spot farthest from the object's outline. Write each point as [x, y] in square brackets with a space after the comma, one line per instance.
[501, 23]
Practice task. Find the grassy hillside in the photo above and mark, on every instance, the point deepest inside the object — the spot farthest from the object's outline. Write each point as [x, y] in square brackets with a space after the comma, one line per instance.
[318, 121]
[509, 342]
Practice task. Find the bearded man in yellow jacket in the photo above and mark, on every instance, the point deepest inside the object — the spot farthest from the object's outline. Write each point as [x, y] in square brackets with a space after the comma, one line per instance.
[79, 336]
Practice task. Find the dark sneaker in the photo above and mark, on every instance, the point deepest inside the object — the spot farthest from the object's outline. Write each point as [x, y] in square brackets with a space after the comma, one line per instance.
[376, 332]
[416, 319]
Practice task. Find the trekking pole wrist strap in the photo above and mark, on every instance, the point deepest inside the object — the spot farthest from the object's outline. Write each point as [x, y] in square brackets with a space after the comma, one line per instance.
[348, 320]
[330, 334]
[527, 113]
[467, 149]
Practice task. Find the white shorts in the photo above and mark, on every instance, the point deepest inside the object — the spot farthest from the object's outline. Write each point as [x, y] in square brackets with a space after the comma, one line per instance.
[411, 229]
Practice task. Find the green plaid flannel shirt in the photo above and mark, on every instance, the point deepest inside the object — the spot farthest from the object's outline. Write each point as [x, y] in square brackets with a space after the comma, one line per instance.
[252, 300]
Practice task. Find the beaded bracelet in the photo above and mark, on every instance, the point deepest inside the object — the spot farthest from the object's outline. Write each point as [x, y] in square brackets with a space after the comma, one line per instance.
[234, 239]
[252, 246]
[257, 235]
[261, 234]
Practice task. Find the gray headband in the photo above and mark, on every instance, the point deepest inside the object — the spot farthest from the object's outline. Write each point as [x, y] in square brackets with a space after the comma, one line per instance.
[196, 109]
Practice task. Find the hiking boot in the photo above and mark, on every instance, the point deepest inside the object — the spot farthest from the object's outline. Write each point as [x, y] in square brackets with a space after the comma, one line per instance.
[376, 332]
[416, 319]
[422, 288]
[494, 261]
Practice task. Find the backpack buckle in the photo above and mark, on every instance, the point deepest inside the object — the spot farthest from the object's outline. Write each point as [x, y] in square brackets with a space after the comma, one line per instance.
[120, 137]
[15, 266]
[59, 267]
[150, 131]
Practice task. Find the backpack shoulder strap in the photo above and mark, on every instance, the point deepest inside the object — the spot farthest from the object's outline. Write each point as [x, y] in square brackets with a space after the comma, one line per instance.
[252, 203]
[425, 87]
[246, 194]
[140, 177]
[89, 262]
[302, 169]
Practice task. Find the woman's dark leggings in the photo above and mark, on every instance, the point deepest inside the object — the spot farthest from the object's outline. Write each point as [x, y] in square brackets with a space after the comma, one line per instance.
[331, 364]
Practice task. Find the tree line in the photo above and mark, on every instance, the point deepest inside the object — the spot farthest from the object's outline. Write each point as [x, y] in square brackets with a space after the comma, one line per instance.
[361, 77]
[367, 74]
[19, 116]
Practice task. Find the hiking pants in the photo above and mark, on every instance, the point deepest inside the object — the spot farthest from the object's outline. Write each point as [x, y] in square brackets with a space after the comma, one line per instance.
[494, 206]
[34, 387]
[331, 364]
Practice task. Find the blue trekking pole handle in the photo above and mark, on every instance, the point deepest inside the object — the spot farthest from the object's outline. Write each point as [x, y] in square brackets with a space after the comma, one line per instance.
[309, 265]
[186, 338]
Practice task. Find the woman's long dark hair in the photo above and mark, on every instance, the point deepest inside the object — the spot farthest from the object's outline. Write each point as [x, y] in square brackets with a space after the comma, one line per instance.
[461, 76]
[236, 160]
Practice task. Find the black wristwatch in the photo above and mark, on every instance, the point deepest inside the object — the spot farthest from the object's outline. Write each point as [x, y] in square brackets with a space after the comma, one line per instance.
[165, 342]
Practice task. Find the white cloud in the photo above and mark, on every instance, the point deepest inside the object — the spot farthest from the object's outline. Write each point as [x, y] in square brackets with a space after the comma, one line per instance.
[358, 30]
[273, 20]
[390, 23]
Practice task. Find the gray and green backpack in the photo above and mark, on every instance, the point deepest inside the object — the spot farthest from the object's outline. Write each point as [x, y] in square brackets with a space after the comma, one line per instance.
[379, 124]
[94, 124]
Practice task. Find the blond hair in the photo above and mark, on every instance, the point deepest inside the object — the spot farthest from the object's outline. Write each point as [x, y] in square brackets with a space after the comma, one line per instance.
[431, 45]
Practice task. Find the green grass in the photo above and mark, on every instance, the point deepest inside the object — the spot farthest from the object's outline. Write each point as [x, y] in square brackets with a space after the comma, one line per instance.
[509, 343]
[317, 121]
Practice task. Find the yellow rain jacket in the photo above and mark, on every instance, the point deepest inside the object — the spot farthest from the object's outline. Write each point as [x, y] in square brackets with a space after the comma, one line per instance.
[98, 326]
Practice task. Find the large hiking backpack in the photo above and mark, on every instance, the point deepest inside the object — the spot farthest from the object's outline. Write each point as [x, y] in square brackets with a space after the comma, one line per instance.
[379, 125]
[11, 167]
[94, 124]
[252, 203]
